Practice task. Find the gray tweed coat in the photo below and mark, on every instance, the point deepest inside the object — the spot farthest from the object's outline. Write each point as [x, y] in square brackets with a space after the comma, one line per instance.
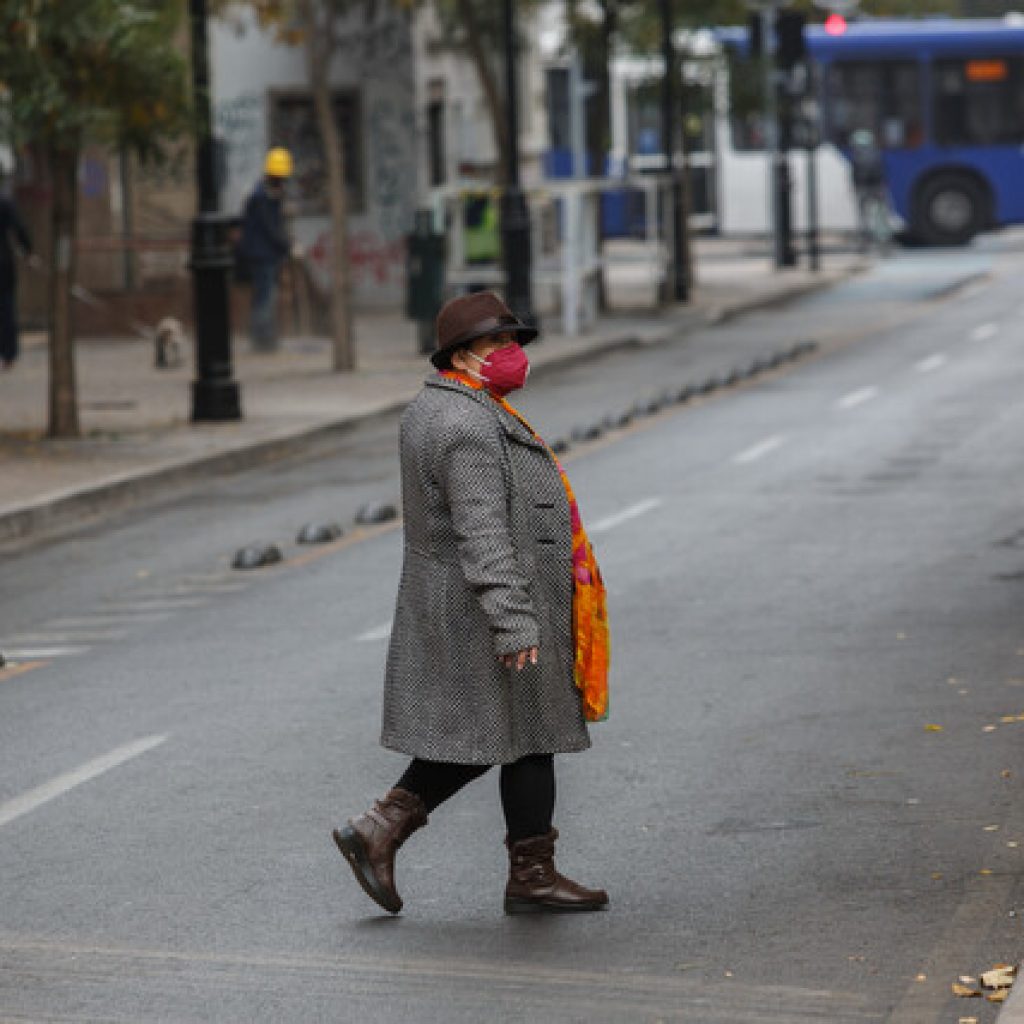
[487, 571]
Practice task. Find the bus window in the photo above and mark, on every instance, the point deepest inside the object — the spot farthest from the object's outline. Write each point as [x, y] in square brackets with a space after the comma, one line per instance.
[882, 96]
[979, 102]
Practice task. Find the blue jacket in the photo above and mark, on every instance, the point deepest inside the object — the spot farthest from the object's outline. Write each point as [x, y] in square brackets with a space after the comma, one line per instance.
[264, 238]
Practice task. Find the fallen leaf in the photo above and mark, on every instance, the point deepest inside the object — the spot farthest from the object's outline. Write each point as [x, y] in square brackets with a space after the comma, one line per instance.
[936, 876]
[965, 991]
[991, 828]
[998, 997]
[966, 979]
[1006, 774]
[968, 1020]
[728, 974]
[921, 977]
[1001, 976]
[985, 871]
[1007, 718]
[1013, 844]
[988, 728]
[931, 727]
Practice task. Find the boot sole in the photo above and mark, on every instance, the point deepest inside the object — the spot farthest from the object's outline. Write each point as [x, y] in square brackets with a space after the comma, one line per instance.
[520, 906]
[352, 849]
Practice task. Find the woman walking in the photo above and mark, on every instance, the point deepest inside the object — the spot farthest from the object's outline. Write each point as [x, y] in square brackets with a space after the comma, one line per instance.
[499, 650]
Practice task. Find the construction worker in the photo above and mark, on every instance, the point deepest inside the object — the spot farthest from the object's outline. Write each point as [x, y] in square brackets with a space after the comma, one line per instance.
[265, 246]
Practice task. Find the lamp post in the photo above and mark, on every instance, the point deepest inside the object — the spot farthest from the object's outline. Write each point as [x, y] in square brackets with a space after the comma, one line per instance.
[679, 284]
[515, 215]
[215, 393]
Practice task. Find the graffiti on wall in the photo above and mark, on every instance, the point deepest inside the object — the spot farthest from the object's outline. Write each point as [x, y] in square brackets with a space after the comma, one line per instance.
[392, 162]
[375, 262]
[238, 123]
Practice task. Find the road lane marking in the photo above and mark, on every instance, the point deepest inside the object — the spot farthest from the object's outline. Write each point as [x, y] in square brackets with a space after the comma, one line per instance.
[36, 653]
[19, 669]
[933, 362]
[629, 994]
[858, 397]
[62, 637]
[101, 621]
[156, 604]
[759, 450]
[641, 508]
[377, 633]
[62, 784]
[984, 331]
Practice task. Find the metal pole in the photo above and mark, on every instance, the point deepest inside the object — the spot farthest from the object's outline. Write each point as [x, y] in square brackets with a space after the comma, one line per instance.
[215, 393]
[771, 109]
[680, 285]
[813, 249]
[515, 215]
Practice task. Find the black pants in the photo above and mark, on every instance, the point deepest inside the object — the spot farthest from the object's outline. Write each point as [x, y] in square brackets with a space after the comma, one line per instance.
[527, 789]
[8, 324]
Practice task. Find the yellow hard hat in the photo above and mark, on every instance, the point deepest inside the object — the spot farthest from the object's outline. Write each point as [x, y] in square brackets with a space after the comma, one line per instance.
[278, 163]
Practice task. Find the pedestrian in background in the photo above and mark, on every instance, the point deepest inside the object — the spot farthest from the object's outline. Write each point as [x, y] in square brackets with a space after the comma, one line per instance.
[264, 247]
[12, 230]
[499, 649]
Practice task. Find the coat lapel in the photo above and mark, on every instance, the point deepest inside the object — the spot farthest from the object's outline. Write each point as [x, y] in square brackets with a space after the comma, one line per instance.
[509, 424]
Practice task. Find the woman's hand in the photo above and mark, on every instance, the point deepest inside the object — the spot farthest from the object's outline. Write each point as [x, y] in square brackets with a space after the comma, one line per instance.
[519, 659]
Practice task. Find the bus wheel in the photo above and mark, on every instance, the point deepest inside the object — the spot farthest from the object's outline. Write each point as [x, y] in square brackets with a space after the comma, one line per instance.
[950, 210]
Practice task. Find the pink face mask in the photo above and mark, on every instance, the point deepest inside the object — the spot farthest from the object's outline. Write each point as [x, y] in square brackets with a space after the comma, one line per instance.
[504, 370]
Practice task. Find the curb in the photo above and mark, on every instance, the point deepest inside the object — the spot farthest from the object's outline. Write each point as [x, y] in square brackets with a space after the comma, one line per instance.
[85, 504]
[780, 298]
[1012, 1011]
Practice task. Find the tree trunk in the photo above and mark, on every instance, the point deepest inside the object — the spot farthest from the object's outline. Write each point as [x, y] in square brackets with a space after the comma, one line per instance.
[63, 412]
[318, 52]
[488, 83]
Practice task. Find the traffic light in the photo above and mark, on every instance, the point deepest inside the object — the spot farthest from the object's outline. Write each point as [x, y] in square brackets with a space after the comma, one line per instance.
[789, 39]
[835, 24]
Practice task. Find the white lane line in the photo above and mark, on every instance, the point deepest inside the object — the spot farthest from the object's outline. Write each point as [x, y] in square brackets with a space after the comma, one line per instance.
[40, 653]
[759, 450]
[984, 331]
[101, 621]
[69, 780]
[858, 397]
[150, 604]
[62, 637]
[933, 362]
[618, 518]
[377, 633]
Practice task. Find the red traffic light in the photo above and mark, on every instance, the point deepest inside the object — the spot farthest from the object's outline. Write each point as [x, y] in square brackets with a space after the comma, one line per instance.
[835, 24]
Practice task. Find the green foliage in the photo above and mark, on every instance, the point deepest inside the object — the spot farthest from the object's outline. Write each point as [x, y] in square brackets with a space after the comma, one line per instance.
[93, 70]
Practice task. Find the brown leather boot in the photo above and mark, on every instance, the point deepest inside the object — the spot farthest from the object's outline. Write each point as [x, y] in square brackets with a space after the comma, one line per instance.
[370, 841]
[534, 886]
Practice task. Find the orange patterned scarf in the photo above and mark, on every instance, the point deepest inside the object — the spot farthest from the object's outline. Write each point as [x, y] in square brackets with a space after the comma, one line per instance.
[589, 606]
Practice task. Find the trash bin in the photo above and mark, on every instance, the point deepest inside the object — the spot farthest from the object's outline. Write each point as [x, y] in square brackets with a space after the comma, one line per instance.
[424, 277]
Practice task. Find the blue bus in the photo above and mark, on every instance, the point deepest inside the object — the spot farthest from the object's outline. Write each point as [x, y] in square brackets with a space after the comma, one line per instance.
[945, 100]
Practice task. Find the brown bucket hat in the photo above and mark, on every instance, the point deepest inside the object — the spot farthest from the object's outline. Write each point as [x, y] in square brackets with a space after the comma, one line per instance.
[468, 317]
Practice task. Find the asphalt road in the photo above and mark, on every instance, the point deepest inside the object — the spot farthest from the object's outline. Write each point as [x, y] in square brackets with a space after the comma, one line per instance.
[799, 806]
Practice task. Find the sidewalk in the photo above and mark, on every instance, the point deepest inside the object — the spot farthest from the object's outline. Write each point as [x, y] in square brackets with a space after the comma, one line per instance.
[137, 440]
